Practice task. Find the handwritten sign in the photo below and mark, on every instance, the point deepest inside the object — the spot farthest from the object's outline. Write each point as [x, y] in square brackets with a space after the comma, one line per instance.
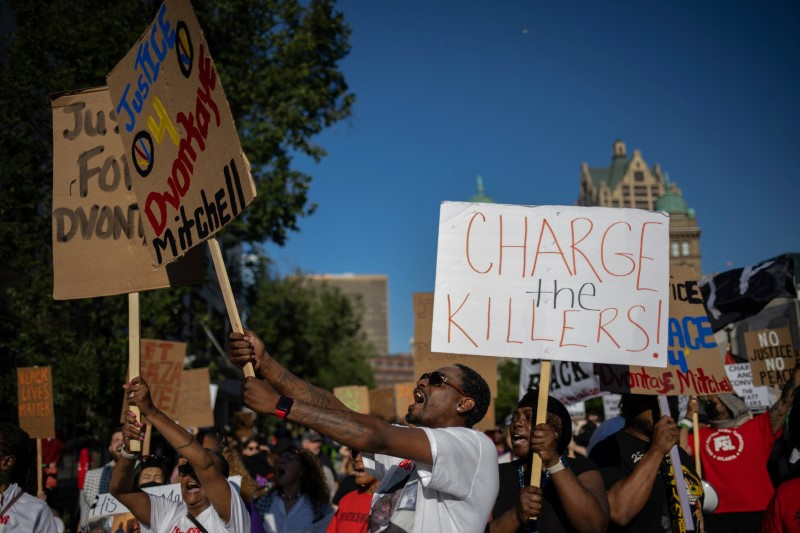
[194, 403]
[427, 361]
[771, 355]
[552, 282]
[190, 175]
[570, 381]
[355, 397]
[757, 398]
[35, 402]
[695, 364]
[98, 240]
[162, 367]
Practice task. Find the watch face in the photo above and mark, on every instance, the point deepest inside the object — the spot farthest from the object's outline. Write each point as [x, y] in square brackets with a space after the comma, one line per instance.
[284, 403]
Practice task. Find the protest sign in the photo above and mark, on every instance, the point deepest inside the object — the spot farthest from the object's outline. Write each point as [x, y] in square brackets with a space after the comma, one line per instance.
[611, 405]
[35, 402]
[403, 397]
[98, 241]
[189, 173]
[194, 400]
[552, 282]
[757, 398]
[381, 403]
[695, 364]
[162, 369]
[108, 505]
[355, 397]
[427, 361]
[771, 355]
[570, 381]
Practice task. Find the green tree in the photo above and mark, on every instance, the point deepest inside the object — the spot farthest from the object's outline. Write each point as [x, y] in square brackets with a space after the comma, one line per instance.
[278, 62]
[312, 329]
[507, 388]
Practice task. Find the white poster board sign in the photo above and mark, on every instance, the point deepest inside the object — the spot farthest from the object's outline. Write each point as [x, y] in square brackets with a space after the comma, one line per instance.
[552, 282]
[757, 398]
[570, 382]
[611, 405]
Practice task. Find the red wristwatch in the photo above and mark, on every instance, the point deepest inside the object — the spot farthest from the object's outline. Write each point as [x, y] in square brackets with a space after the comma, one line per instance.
[283, 407]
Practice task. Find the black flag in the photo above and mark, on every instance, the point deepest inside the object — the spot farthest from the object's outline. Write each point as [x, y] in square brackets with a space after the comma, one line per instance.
[743, 292]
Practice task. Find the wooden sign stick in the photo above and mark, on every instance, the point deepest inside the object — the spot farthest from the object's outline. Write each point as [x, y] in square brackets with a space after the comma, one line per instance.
[148, 433]
[133, 352]
[227, 295]
[39, 465]
[677, 471]
[541, 418]
[696, 426]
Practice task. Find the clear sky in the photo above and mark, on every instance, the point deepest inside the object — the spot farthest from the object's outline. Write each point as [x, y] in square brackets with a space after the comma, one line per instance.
[522, 93]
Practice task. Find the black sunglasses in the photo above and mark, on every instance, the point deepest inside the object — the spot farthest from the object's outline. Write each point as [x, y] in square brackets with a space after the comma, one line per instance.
[186, 469]
[354, 454]
[436, 379]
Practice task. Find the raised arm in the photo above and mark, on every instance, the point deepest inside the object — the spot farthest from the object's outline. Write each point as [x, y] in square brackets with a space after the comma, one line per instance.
[628, 496]
[121, 484]
[247, 347]
[208, 473]
[362, 432]
[781, 408]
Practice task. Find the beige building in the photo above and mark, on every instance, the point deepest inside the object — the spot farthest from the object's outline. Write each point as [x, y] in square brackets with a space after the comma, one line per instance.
[629, 182]
[392, 369]
[373, 293]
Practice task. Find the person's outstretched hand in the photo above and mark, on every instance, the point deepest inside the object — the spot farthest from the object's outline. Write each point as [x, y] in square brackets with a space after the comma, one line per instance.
[139, 395]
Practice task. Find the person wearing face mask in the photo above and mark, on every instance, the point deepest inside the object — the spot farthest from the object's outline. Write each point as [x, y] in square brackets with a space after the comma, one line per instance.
[151, 472]
[210, 503]
[571, 497]
[734, 451]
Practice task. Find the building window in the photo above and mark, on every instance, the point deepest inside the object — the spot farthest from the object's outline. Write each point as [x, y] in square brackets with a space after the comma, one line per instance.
[640, 190]
[614, 203]
[642, 204]
[638, 175]
[675, 250]
[685, 248]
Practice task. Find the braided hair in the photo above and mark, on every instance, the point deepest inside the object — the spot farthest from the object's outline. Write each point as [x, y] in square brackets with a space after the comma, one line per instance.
[15, 441]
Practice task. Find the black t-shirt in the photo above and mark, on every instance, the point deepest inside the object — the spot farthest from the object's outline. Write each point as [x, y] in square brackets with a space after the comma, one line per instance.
[552, 518]
[617, 456]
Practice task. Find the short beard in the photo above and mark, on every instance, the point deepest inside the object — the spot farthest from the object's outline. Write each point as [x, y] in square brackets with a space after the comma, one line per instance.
[641, 426]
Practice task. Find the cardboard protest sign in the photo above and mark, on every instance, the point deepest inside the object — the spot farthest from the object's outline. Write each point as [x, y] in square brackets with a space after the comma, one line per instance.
[194, 401]
[189, 173]
[695, 365]
[427, 361]
[355, 397]
[403, 397]
[381, 403]
[757, 398]
[98, 240]
[35, 402]
[771, 355]
[162, 369]
[552, 282]
[570, 381]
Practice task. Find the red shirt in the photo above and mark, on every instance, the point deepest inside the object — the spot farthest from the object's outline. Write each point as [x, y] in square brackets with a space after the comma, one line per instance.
[734, 461]
[783, 512]
[353, 513]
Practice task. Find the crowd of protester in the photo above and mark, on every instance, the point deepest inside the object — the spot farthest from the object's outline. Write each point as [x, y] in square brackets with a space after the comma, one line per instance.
[326, 468]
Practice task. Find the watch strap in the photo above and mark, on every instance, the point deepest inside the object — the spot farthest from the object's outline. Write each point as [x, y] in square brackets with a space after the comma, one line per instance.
[283, 407]
[558, 467]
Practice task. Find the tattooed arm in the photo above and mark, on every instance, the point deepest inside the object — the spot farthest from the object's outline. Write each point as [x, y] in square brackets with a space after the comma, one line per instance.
[362, 432]
[247, 347]
[778, 412]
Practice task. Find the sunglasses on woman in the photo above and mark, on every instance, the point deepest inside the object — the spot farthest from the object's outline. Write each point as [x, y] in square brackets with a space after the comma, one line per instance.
[186, 469]
[436, 379]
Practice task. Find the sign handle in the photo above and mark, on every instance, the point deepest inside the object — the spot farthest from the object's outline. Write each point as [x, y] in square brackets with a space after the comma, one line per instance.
[39, 465]
[541, 418]
[697, 465]
[148, 433]
[677, 471]
[227, 295]
[133, 351]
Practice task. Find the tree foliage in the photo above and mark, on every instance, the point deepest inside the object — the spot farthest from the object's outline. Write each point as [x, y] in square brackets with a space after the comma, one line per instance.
[507, 388]
[312, 329]
[278, 62]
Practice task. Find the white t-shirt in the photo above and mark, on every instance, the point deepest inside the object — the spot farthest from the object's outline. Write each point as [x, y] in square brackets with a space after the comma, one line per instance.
[27, 513]
[169, 516]
[455, 494]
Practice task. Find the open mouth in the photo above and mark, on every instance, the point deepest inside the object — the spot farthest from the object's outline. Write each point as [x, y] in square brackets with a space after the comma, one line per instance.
[518, 439]
[192, 487]
[419, 397]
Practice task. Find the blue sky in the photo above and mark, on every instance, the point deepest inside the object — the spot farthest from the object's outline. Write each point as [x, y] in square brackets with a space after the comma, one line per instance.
[522, 93]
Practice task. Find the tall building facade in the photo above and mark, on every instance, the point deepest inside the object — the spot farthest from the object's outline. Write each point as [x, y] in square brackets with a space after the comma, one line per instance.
[630, 182]
[373, 292]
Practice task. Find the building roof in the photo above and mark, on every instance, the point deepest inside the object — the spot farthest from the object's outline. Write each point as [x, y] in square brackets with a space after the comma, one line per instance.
[672, 203]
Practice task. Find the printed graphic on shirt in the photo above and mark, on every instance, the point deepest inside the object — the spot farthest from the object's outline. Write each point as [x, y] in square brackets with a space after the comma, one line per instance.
[393, 507]
[694, 493]
[724, 444]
